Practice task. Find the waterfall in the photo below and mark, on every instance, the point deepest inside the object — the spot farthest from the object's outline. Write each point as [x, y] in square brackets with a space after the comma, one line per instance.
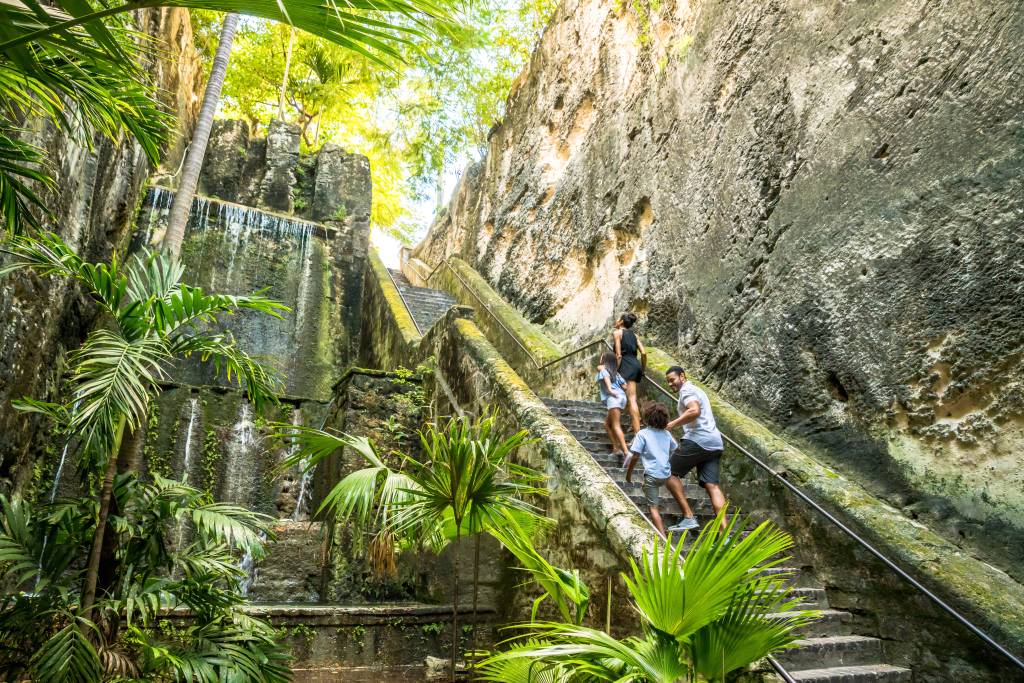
[301, 511]
[240, 470]
[53, 492]
[249, 568]
[187, 461]
[182, 526]
[301, 304]
[159, 200]
[60, 470]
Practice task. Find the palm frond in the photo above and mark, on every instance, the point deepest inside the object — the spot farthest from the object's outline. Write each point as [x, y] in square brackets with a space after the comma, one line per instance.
[233, 525]
[680, 598]
[20, 165]
[591, 654]
[115, 377]
[68, 656]
[141, 600]
[517, 667]
[260, 382]
[313, 445]
[359, 25]
[564, 588]
[48, 254]
[19, 547]
[760, 620]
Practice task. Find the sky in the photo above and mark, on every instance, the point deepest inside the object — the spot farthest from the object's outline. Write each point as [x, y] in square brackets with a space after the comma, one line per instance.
[388, 247]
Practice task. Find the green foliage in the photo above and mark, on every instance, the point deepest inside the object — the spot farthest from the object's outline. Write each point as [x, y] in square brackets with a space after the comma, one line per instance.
[564, 588]
[434, 629]
[64, 613]
[715, 612]
[84, 80]
[211, 457]
[81, 67]
[154, 318]
[42, 551]
[433, 110]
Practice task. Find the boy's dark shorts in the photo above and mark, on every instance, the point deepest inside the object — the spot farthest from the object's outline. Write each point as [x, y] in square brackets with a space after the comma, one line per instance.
[691, 455]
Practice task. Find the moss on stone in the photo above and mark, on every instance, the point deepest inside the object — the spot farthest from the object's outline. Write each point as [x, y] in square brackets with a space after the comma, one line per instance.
[399, 313]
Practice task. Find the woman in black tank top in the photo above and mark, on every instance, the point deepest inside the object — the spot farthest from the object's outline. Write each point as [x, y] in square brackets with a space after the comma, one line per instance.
[632, 357]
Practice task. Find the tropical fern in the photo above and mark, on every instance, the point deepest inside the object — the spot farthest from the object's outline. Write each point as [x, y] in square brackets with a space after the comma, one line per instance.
[712, 612]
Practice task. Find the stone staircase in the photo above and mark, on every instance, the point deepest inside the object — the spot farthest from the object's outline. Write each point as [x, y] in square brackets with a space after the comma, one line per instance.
[829, 652]
[426, 305]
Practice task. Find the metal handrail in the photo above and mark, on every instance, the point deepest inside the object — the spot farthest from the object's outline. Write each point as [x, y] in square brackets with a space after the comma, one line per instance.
[529, 354]
[792, 488]
[867, 546]
[486, 306]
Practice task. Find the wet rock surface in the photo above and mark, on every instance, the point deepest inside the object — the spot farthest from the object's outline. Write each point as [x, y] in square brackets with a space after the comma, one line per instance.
[97, 191]
[817, 208]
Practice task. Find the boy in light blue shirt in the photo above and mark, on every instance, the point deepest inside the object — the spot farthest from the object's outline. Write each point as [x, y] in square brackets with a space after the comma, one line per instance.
[654, 445]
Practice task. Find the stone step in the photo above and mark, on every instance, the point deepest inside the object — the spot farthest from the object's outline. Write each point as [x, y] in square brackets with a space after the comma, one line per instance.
[849, 650]
[399, 277]
[589, 411]
[617, 475]
[883, 673]
[830, 622]
[692, 492]
[667, 505]
[810, 597]
[419, 298]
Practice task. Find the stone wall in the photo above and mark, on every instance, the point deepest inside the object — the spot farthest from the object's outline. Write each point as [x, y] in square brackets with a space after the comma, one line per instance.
[815, 205]
[97, 193]
[331, 186]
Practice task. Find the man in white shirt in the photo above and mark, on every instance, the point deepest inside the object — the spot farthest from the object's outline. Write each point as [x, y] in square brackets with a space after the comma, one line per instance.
[701, 445]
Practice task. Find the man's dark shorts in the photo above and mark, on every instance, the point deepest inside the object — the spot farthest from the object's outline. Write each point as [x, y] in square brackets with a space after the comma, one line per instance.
[691, 455]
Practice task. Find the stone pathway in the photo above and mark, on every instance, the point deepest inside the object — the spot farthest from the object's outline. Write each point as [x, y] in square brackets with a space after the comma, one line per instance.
[426, 305]
[828, 651]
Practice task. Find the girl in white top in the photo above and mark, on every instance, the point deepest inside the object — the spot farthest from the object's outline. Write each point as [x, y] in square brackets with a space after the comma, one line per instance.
[613, 396]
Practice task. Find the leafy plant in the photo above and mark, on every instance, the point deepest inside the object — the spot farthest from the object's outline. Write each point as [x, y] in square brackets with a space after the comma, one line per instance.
[80, 66]
[44, 634]
[464, 485]
[715, 611]
[149, 319]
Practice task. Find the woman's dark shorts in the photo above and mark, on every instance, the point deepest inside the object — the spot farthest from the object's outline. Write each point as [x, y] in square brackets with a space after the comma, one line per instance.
[631, 369]
[691, 455]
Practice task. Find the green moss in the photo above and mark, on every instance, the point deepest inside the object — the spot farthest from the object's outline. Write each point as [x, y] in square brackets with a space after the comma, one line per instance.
[211, 457]
[399, 314]
[505, 324]
[433, 629]
[158, 460]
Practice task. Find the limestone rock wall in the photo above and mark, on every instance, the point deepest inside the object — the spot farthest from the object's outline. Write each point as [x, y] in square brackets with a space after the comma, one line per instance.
[97, 192]
[816, 205]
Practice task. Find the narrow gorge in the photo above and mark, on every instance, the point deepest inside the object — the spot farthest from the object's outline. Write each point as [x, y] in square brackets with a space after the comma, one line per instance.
[815, 208]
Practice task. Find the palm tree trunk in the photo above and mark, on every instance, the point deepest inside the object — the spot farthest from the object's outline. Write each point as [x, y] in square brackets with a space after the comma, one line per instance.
[197, 150]
[476, 591]
[92, 569]
[455, 603]
[287, 68]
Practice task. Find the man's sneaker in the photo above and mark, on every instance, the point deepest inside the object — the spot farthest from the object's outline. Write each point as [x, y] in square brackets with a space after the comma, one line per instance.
[688, 524]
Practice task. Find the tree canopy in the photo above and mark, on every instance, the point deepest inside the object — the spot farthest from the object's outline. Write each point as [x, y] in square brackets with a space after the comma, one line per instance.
[417, 119]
